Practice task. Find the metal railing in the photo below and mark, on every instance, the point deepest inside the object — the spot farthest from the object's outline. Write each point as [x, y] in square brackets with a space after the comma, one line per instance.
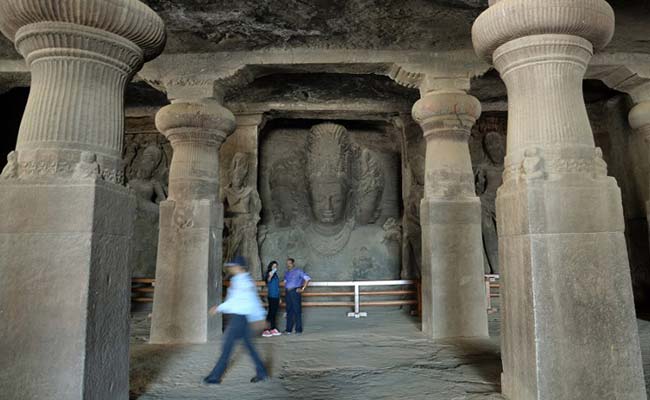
[492, 289]
[143, 288]
[357, 313]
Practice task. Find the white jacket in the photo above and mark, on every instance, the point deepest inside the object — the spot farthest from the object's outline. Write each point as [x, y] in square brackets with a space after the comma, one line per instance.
[243, 299]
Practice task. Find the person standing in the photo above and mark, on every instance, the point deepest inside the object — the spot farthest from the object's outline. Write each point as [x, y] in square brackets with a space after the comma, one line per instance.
[245, 309]
[295, 283]
[273, 287]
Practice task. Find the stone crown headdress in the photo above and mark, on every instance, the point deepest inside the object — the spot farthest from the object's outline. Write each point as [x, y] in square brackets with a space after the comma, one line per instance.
[154, 152]
[327, 149]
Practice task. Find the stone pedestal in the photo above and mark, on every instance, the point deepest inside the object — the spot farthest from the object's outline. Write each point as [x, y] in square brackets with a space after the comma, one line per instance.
[65, 218]
[569, 328]
[188, 270]
[453, 294]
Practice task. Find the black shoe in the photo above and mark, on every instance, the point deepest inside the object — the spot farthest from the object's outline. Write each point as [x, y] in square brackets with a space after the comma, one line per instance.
[256, 379]
[211, 381]
[286, 333]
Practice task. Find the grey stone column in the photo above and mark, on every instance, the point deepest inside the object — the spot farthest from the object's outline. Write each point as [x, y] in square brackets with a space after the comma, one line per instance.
[65, 217]
[569, 328]
[188, 269]
[453, 294]
[639, 119]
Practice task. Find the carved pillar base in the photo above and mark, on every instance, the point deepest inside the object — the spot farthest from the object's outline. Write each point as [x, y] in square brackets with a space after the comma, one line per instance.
[568, 323]
[188, 266]
[453, 294]
[64, 290]
[188, 281]
[569, 327]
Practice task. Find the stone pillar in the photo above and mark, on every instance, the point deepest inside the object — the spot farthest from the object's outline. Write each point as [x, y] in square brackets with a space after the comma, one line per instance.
[188, 269]
[65, 216]
[569, 329]
[453, 294]
[639, 119]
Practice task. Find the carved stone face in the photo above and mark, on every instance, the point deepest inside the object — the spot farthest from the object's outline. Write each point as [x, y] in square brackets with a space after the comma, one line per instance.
[328, 200]
[146, 168]
[495, 147]
[282, 206]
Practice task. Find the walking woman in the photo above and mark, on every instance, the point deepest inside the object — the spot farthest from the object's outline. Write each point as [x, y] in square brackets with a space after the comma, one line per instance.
[273, 284]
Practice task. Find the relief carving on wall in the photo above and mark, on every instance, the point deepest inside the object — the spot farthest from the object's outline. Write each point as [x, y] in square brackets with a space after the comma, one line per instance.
[144, 168]
[87, 167]
[326, 202]
[146, 158]
[488, 178]
[242, 207]
[10, 171]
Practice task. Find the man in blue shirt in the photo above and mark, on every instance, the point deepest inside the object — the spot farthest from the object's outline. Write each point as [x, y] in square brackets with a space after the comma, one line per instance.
[244, 307]
[295, 282]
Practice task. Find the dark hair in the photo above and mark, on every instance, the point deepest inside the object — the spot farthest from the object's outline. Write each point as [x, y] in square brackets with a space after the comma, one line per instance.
[270, 266]
[291, 259]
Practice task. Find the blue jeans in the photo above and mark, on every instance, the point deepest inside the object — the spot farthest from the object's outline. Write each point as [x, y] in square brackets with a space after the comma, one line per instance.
[294, 310]
[237, 329]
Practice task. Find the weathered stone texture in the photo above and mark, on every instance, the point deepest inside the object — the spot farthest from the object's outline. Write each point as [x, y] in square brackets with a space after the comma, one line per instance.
[188, 270]
[328, 195]
[567, 291]
[66, 221]
[65, 291]
[147, 155]
[453, 301]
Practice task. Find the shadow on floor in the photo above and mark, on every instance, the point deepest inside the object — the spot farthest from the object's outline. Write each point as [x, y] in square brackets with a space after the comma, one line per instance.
[147, 364]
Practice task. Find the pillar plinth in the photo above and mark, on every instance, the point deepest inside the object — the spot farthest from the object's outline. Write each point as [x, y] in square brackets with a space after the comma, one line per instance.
[189, 262]
[65, 218]
[453, 294]
[569, 329]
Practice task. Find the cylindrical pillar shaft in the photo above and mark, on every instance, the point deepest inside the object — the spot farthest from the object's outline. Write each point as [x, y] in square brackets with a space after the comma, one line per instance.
[188, 269]
[639, 119]
[65, 219]
[453, 302]
[568, 321]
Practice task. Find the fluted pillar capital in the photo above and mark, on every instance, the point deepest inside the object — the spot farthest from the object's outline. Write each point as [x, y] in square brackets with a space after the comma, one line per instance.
[639, 118]
[446, 117]
[196, 131]
[81, 54]
[205, 120]
[508, 20]
[91, 25]
[447, 112]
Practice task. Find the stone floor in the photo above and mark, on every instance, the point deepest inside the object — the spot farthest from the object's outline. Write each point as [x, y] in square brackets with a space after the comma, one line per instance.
[381, 357]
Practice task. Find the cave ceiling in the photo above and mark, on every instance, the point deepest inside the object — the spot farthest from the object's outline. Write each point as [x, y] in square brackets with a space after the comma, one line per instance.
[214, 26]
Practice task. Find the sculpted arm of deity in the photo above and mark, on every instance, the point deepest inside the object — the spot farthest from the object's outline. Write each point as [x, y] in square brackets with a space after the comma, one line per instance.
[159, 191]
[255, 206]
[480, 180]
